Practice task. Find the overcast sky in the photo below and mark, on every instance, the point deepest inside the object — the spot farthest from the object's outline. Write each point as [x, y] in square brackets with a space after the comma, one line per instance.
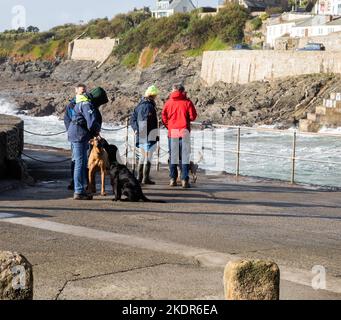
[46, 14]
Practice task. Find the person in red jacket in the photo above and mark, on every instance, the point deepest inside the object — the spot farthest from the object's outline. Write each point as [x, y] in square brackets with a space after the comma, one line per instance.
[177, 114]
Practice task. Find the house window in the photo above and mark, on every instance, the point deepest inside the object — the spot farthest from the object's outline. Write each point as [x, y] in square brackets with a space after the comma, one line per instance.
[162, 14]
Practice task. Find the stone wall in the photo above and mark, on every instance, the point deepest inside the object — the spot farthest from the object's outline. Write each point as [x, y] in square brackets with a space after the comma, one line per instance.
[332, 42]
[11, 146]
[243, 66]
[91, 49]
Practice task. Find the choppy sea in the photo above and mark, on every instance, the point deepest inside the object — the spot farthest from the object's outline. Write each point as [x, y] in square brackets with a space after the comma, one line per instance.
[215, 149]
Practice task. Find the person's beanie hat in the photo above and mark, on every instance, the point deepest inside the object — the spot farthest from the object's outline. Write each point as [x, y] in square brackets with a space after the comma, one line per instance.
[152, 91]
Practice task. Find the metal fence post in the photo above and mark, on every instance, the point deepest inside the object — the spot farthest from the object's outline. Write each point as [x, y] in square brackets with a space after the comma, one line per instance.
[134, 155]
[158, 157]
[293, 159]
[127, 140]
[158, 148]
[238, 153]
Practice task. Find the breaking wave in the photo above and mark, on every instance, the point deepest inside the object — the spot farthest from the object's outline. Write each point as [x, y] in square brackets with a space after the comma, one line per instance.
[7, 108]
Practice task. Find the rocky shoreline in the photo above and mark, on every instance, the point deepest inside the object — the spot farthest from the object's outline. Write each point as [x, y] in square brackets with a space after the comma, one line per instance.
[43, 88]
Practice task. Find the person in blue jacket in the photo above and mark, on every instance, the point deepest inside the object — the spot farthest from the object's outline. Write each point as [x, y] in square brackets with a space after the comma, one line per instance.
[144, 122]
[69, 111]
[85, 125]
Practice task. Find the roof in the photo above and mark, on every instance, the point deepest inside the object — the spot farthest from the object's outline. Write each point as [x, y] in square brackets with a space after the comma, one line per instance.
[335, 22]
[174, 3]
[295, 21]
[255, 4]
[313, 21]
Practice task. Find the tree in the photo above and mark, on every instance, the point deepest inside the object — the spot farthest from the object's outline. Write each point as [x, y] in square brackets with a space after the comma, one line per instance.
[32, 29]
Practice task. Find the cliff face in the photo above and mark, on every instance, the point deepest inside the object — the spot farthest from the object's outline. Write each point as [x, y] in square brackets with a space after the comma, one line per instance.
[44, 88]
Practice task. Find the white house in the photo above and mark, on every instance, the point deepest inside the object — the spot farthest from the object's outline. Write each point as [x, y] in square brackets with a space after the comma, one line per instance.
[277, 30]
[316, 26]
[166, 8]
[328, 7]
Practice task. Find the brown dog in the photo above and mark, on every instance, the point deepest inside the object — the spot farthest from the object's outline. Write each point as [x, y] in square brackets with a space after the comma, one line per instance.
[98, 161]
[193, 169]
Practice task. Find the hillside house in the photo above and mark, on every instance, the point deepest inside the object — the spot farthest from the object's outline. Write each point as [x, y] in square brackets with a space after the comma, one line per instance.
[256, 5]
[316, 26]
[283, 25]
[308, 26]
[166, 8]
[328, 7]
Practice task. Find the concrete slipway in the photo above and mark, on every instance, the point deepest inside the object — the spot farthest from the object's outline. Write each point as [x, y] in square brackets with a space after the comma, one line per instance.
[173, 250]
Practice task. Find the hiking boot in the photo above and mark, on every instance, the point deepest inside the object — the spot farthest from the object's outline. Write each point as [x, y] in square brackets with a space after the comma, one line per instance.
[84, 196]
[146, 174]
[173, 183]
[71, 186]
[185, 184]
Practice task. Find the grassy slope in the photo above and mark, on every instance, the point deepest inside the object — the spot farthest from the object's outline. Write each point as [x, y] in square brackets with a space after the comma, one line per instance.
[138, 31]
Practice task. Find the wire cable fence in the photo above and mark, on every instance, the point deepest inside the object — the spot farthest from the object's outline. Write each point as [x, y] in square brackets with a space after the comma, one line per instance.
[132, 153]
[293, 158]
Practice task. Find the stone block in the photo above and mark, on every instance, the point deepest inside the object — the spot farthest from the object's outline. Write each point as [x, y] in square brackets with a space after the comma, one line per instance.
[244, 66]
[251, 280]
[16, 277]
[11, 143]
[324, 111]
[92, 49]
[312, 116]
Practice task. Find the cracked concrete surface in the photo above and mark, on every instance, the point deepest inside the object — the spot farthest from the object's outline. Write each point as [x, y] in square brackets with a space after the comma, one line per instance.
[295, 226]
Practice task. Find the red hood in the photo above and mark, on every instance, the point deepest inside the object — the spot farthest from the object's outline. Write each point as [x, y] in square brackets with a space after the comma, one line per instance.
[178, 95]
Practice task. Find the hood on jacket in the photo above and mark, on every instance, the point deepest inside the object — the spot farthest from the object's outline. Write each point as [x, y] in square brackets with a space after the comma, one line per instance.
[82, 98]
[178, 95]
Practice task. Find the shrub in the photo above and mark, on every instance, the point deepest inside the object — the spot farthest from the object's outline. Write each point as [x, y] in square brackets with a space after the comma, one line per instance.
[256, 23]
[199, 30]
[274, 10]
[137, 30]
[131, 60]
[230, 22]
[213, 44]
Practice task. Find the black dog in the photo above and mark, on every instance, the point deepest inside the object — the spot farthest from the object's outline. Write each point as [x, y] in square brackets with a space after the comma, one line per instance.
[123, 180]
[124, 183]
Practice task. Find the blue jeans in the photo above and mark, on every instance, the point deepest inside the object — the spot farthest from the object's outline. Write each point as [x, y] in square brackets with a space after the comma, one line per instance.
[179, 154]
[146, 152]
[80, 156]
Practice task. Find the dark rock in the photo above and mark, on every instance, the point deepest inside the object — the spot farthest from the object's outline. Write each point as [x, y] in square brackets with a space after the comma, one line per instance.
[44, 88]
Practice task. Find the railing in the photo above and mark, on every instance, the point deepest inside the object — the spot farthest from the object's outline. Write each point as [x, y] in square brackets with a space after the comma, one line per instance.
[237, 151]
[293, 158]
